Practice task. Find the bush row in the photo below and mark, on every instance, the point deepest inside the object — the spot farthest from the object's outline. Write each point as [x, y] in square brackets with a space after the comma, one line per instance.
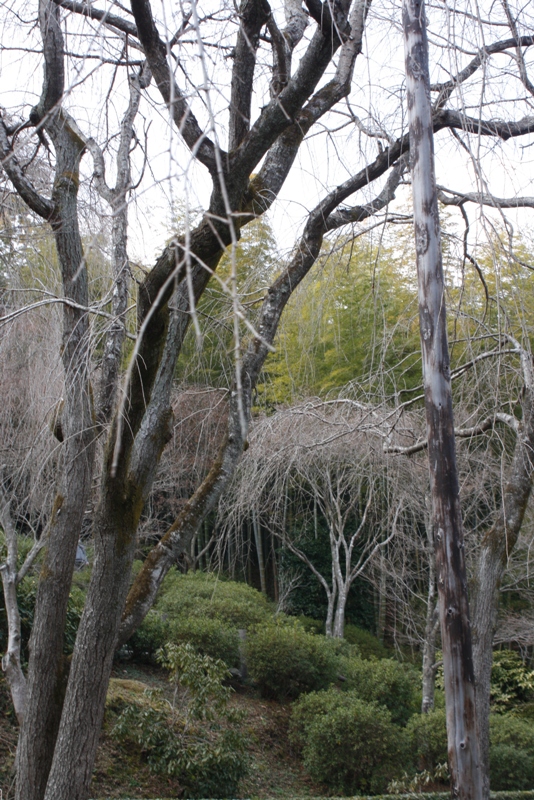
[351, 744]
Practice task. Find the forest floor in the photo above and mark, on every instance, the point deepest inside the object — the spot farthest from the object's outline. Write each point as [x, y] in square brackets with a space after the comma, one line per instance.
[120, 772]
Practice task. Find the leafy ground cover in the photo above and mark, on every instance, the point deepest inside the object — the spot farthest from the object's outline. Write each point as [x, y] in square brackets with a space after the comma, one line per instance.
[123, 771]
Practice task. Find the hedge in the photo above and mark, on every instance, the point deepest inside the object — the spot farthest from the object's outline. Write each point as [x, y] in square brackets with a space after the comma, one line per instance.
[417, 796]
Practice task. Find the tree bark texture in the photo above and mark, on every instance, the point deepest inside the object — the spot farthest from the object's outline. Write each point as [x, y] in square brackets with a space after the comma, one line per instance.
[135, 445]
[11, 661]
[137, 435]
[46, 663]
[431, 630]
[496, 548]
[464, 763]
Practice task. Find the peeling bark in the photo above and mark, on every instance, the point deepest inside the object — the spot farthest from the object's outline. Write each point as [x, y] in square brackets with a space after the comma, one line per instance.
[464, 763]
[138, 435]
[431, 628]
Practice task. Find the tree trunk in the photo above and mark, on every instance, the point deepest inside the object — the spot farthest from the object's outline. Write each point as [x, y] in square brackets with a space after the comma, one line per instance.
[496, 548]
[46, 663]
[11, 662]
[339, 619]
[429, 655]
[382, 600]
[466, 776]
[431, 629]
[259, 549]
[329, 622]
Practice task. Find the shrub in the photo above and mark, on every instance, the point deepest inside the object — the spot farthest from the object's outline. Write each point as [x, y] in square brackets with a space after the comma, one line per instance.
[310, 624]
[368, 645]
[199, 742]
[348, 744]
[199, 594]
[511, 752]
[152, 634]
[510, 768]
[386, 682]
[512, 683]
[427, 734]
[209, 637]
[510, 730]
[286, 661]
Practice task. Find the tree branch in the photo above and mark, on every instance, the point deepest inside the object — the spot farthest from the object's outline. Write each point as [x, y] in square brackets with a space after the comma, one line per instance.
[42, 206]
[501, 128]
[460, 433]
[102, 16]
[253, 14]
[459, 198]
[156, 53]
[446, 89]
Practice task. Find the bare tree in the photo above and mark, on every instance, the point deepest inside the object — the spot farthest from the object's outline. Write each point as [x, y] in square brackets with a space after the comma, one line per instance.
[320, 466]
[462, 734]
[270, 104]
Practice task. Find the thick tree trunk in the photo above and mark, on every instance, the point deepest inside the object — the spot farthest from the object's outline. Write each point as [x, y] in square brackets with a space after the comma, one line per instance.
[46, 663]
[466, 776]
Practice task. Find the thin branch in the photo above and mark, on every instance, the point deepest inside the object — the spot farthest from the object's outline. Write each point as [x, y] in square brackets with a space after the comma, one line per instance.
[102, 16]
[460, 433]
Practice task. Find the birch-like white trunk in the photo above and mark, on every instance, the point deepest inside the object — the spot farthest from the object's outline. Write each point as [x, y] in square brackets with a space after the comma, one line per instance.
[464, 763]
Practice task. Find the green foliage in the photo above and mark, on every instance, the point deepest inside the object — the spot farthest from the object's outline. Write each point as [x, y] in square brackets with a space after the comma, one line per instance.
[74, 614]
[386, 682]
[446, 796]
[511, 768]
[199, 677]
[152, 634]
[354, 318]
[24, 545]
[409, 784]
[286, 661]
[255, 259]
[26, 595]
[512, 683]
[427, 734]
[209, 636]
[511, 752]
[509, 729]
[197, 740]
[207, 595]
[311, 625]
[346, 743]
[368, 645]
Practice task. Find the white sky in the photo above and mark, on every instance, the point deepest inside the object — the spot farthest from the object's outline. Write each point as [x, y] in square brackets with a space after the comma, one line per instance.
[173, 180]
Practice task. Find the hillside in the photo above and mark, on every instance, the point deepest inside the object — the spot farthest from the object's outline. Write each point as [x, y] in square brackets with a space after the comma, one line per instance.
[120, 770]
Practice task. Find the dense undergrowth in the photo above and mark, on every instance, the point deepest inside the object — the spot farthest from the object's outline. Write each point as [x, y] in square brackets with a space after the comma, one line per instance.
[187, 707]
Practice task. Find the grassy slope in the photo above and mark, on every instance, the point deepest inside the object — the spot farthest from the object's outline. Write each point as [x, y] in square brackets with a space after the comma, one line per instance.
[122, 772]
